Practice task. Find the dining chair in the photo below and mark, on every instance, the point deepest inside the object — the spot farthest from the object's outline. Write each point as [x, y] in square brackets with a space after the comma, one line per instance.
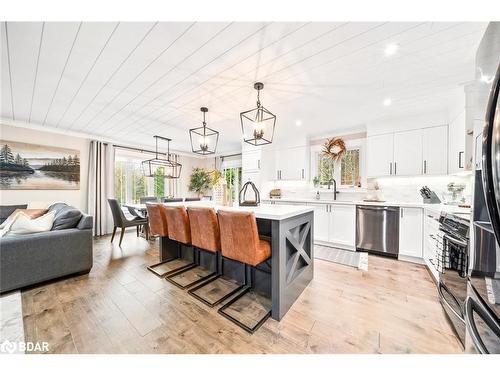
[121, 221]
[143, 200]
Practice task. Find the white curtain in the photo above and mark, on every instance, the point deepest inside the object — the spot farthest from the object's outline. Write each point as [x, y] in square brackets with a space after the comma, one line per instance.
[101, 181]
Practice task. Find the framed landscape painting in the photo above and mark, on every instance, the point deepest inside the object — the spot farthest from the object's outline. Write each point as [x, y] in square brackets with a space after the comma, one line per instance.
[26, 166]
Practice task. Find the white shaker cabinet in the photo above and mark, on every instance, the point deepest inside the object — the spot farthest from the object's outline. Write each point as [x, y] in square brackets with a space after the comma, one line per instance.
[321, 221]
[379, 155]
[342, 225]
[435, 150]
[291, 163]
[250, 161]
[410, 232]
[408, 153]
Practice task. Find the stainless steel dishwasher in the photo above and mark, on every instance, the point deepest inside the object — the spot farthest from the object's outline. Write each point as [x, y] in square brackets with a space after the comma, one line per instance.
[377, 230]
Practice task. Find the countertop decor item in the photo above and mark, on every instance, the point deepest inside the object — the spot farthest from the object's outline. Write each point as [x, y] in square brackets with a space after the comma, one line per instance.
[334, 148]
[244, 201]
[258, 124]
[166, 167]
[204, 140]
[275, 193]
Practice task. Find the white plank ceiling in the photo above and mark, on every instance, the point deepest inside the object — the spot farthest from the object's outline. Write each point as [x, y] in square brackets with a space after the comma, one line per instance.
[130, 81]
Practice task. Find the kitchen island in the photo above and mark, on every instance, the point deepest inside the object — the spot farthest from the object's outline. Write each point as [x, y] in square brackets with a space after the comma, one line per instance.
[290, 229]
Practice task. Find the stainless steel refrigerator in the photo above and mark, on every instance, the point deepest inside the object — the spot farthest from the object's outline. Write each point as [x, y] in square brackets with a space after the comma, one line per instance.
[482, 306]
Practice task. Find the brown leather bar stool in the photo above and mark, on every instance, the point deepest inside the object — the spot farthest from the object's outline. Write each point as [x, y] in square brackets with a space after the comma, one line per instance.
[157, 214]
[240, 241]
[205, 239]
[179, 230]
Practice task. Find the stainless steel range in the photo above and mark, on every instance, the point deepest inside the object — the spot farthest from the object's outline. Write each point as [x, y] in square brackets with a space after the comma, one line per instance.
[451, 261]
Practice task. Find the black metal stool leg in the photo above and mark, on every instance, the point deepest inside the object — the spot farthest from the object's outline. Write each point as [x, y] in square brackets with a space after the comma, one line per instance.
[176, 260]
[249, 280]
[195, 270]
[218, 278]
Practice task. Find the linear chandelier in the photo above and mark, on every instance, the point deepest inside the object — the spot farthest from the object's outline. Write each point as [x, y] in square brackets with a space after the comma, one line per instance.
[204, 140]
[166, 168]
[258, 124]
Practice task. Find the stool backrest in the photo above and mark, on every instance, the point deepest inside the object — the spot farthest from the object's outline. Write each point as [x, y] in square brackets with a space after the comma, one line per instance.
[239, 236]
[178, 224]
[157, 219]
[204, 225]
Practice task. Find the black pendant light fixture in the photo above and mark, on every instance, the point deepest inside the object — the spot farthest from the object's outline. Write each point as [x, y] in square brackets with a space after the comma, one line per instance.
[165, 167]
[203, 139]
[258, 124]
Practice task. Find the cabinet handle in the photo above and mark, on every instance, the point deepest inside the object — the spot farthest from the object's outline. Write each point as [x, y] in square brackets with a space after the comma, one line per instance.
[390, 168]
[395, 168]
[402, 210]
[425, 166]
[258, 164]
[460, 164]
[302, 173]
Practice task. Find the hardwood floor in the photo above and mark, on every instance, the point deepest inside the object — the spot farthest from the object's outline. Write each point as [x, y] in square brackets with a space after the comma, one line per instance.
[121, 307]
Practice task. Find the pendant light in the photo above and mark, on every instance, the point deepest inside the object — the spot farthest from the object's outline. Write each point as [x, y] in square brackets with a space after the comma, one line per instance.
[258, 124]
[203, 139]
[157, 166]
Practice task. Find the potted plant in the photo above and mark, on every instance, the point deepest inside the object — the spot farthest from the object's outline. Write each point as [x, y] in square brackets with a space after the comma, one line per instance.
[316, 181]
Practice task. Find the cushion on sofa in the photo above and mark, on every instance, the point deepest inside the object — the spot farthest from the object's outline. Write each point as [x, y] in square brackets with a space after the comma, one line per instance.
[21, 223]
[66, 217]
[6, 211]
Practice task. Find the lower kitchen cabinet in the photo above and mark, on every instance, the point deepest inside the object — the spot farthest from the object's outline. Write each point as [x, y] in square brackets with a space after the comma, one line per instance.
[343, 225]
[335, 224]
[410, 232]
[321, 221]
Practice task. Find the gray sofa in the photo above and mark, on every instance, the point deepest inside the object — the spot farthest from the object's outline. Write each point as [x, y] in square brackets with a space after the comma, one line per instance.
[34, 258]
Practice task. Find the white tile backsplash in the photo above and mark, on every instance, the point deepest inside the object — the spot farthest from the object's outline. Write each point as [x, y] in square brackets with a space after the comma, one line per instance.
[396, 189]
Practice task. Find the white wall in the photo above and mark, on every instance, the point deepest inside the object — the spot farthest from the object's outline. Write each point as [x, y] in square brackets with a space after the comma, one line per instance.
[76, 198]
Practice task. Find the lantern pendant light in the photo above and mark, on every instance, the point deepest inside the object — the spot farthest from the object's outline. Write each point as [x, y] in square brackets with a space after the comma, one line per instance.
[157, 166]
[258, 124]
[204, 140]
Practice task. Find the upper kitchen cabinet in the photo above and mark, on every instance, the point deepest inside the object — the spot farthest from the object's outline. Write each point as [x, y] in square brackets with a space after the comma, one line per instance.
[251, 161]
[435, 150]
[291, 163]
[379, 155]
[408, 153]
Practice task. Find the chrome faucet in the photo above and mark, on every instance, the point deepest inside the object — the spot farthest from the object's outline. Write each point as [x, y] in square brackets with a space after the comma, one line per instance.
[334, 188]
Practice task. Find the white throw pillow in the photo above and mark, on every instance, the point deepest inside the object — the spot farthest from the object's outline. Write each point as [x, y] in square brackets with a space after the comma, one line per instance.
[23, 224]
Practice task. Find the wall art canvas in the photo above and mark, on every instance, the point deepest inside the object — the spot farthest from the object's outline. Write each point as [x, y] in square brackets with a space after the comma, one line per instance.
[26, 166]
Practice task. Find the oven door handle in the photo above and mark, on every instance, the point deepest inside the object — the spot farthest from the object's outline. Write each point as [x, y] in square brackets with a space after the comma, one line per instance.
[441, 295]
[454, 240]
[471, 307]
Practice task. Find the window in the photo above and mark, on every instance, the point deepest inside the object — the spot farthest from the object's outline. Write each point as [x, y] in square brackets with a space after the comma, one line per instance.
[131, 184]
[233, 180]
[346, 172]
[349, 173]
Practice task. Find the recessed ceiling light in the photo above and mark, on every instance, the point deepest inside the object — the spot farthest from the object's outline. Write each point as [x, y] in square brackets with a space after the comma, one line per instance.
[391, 49]
[387, 102]
[298, 123]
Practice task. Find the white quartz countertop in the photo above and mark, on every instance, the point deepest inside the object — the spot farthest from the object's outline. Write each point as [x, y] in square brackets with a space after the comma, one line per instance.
[263, 211]
[432, 207]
